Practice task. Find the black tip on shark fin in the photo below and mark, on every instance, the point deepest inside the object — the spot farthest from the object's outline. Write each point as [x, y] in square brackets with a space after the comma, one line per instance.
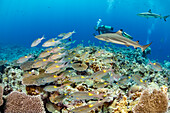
[121, 29]
[166, 17]
[149, 11]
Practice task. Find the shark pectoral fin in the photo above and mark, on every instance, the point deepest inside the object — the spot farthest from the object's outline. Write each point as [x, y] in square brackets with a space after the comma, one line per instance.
[127, 45]
[135, 47]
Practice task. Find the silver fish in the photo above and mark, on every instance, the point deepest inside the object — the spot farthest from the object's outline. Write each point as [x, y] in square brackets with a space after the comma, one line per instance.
[68, 34]
[24, 59]
[88, 107]
[37, 41]
[156, 66]
[52, 42]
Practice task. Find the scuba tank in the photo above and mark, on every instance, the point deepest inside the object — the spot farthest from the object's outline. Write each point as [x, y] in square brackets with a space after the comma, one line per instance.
[107, 27]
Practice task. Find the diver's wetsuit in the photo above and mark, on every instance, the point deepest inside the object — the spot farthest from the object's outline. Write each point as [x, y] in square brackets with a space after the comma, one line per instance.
[108, 29]
[102, 30]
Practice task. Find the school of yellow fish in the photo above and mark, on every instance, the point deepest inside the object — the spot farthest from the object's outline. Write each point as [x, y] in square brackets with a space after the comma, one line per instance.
[58, 68]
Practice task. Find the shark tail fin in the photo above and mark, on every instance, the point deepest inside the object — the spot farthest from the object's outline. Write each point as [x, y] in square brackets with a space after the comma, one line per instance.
[166, 17]
[145, 46]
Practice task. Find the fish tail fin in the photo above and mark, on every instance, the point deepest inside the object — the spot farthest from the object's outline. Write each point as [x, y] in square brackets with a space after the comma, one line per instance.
[149, 62]
[100, 96]
[166, 17]
[61, 75]
[74, 31]
[32, 56]
[67, 64]
[50, 60]
[145, 46]
[66, 53]
[43, 37]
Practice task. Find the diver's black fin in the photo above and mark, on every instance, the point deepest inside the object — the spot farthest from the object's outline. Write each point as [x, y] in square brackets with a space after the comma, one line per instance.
[149, 11]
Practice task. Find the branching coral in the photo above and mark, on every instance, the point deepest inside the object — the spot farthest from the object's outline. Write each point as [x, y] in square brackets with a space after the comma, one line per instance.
[32, 90]
[95, 67]
[155, 102]
[17, 102]
[12, 80]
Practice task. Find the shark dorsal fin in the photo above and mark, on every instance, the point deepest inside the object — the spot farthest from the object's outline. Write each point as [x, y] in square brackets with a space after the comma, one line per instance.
[149, 11]
[119, 32]
[137, 41]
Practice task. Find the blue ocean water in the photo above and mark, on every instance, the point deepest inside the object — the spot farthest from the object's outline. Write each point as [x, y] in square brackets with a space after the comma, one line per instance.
[23, 21]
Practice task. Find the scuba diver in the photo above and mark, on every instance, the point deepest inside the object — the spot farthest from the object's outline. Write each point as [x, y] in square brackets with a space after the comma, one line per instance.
[108, 29]
[104, 29]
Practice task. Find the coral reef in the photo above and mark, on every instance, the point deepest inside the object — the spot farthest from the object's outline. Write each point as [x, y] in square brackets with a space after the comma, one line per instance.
[154, 102]
[17, 102]
[85, 79]
[1, 94]
[167, 64]
[12, 80]
[13, 52]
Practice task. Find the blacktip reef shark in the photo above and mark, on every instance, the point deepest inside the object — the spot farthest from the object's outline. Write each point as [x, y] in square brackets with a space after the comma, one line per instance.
[119, 39]
[149, 14]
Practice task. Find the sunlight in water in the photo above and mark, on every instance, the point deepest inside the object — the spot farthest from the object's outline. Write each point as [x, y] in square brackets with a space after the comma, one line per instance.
[150, 29]
[110, 5]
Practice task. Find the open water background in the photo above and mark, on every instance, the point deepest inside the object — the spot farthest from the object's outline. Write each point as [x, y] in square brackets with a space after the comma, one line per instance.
[23, 21]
